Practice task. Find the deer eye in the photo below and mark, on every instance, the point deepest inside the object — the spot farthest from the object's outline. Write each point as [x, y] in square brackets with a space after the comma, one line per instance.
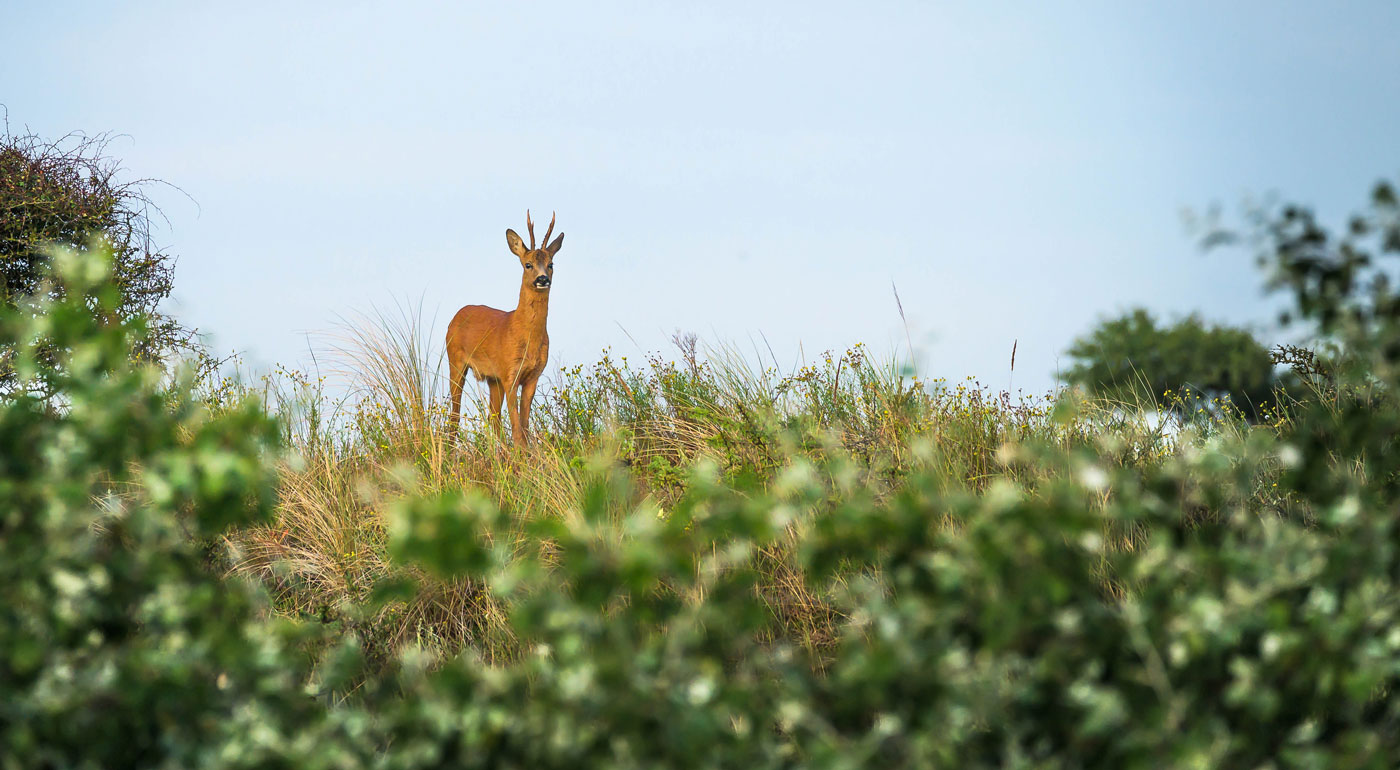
[528, 266]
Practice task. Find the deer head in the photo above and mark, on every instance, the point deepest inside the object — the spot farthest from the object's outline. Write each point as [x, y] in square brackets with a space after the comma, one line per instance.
[538, 262]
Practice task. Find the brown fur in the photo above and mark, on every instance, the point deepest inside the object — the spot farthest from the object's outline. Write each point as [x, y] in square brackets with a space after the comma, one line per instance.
[506, 349]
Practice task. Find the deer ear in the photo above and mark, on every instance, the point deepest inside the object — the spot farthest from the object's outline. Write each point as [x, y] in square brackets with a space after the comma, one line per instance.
[517, 246]
[553, 248]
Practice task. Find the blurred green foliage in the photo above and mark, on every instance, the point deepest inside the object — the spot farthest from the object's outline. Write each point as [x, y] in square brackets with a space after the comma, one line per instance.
[1131, 357]
[1187, 613]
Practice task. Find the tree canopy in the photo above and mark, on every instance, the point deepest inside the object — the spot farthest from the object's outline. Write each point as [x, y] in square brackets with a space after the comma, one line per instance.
[69, 193]
[1178, 364]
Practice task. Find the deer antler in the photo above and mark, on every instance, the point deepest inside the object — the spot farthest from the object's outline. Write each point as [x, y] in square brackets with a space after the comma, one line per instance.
[550, 231]
[531, 227]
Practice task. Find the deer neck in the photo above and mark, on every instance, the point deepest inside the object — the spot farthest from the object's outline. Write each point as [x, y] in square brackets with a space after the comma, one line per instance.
[533, 307]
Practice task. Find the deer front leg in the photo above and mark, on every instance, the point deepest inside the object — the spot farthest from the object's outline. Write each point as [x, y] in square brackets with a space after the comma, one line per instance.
[517, 434]
[527, 394]
[498, 392]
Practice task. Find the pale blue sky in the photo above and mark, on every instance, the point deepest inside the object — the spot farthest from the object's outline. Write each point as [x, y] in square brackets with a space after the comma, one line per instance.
[728, 168]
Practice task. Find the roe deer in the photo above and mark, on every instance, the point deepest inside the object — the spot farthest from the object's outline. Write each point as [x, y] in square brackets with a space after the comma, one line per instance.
[507, 349]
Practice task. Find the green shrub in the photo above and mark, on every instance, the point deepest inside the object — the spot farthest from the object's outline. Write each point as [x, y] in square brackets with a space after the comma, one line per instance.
[1230, 605]
[119, 647]
[68, 192]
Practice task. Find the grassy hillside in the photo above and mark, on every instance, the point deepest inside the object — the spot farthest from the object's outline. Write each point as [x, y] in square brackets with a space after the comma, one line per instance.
[699, 563]
[864, 426]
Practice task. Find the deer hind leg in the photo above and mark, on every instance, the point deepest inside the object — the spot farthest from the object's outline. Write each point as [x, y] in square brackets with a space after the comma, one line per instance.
[527, 394]
[498, 392]
[457, 375]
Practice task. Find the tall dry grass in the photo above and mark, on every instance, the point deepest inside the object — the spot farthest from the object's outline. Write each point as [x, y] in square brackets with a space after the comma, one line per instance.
[352, 455]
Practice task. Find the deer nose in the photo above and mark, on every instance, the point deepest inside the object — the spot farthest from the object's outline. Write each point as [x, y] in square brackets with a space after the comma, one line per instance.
[541, 280]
